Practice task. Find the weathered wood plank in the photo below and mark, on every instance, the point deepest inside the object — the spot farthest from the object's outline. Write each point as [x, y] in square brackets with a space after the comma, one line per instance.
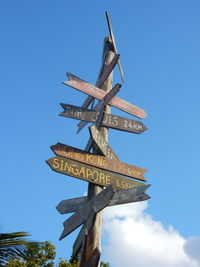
[107, 70]
[114, 44]
[99, 161]
[129, 197]
[101, 107]
[81, 236]
[120, 197]
[96, 204]
[109, 120]
[99, 94]
[90, 174]
[102, 144]
[71, 205]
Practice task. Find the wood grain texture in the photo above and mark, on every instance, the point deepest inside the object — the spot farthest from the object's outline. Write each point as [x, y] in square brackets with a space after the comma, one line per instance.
[119, 197]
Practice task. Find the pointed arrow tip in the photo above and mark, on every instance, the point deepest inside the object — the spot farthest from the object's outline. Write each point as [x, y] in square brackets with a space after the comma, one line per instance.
[62, 235]
[144, 128]
[62, 105]
[77, 132]
[68, 75]
[61, 114]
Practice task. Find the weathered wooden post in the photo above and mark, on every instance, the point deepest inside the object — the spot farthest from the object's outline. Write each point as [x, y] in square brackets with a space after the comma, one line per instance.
[92, 247]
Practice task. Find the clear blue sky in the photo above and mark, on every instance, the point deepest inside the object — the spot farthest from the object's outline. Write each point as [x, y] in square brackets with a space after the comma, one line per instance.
[159, 45]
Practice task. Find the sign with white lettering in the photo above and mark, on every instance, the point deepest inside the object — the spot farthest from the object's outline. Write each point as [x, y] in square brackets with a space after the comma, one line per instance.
[99, 161]
[90, 174]
[99, 94]
[102, 144]
[109, 120]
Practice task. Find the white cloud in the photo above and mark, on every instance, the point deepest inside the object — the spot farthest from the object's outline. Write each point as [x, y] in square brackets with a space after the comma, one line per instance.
[192, 247]
[135, 239]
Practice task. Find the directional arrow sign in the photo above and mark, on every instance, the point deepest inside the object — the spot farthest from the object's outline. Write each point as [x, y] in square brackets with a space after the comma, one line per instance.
[99, 94]
[109, 120]
[96, 204]
[120, 197]
[90, 174]
[102, 144]
[99, 161]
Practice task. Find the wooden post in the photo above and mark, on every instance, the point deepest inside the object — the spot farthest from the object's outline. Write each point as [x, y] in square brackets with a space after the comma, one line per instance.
[92, 247]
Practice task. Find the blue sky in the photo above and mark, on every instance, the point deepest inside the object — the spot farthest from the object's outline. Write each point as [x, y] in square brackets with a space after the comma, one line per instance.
[159, 45]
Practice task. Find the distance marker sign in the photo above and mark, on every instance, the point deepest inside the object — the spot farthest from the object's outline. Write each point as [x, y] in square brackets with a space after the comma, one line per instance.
[91, 174]
[109, 120]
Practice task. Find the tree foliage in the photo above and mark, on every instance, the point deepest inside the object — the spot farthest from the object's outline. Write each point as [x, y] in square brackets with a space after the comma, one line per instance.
[13, 245]
[41, 254]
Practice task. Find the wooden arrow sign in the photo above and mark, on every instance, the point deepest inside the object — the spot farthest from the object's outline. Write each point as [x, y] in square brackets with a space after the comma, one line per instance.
[120, 197]
[99, 94]
[96, 204]
[100, 106]
[109, 120]
[101, 143]
[99, 161]
[90, 174]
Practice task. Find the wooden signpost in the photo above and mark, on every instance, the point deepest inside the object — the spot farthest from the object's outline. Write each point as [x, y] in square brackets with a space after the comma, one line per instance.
[109, 120]
[110, 181]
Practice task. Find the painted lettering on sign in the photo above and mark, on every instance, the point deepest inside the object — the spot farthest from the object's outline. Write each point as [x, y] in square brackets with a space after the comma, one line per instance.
[99, 161]
[109, 120]
[95, 176]
[91, 174]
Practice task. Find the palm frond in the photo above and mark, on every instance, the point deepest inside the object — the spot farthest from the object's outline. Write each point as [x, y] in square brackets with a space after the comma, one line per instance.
[13, 245]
